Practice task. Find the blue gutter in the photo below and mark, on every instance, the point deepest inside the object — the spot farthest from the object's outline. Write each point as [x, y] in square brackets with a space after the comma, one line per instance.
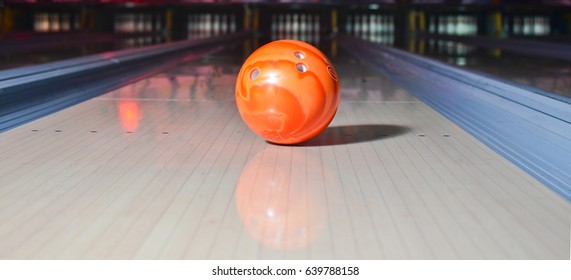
[29, 93]
[531, 130]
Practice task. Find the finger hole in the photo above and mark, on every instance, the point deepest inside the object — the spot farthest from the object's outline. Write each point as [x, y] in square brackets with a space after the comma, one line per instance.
[254, 73]
[301, 67]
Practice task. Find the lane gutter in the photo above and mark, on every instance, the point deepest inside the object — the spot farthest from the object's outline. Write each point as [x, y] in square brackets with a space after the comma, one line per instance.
[531, 130]
[31, 92]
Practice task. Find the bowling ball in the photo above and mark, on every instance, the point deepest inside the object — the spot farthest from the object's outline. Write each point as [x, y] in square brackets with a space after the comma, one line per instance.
[287, 91]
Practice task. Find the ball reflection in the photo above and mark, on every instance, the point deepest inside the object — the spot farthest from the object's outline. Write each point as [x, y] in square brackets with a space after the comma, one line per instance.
[277, 205]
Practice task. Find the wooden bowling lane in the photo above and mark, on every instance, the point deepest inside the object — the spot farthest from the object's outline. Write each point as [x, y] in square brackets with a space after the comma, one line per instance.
[164, 168]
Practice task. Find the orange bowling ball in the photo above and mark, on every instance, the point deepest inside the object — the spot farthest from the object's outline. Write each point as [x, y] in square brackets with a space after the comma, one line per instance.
[287, 91]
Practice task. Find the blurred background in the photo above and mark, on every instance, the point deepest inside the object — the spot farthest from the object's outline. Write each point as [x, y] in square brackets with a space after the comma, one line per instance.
[462, 32]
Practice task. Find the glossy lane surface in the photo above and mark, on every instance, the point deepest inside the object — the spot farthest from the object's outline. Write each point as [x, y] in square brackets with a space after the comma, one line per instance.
[165, 168]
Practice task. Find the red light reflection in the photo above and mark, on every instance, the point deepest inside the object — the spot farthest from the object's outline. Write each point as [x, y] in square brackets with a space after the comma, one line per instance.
[130, 114]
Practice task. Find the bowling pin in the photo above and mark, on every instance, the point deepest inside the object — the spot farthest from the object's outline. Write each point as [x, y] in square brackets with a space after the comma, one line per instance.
[527, 25]
[54, 24]
[273, 28]
[373, 24]
[65, 26]
[357, 25]
[158, 25]
[464, 28]
[117, 24]
[537, 26]
[441, 25]
[139, 23]
[281, 26]
[349, 25]
[131, 27]
[148, 23]
[224, 24]
[472, 26]
[143, 23]
[197, 25]
[431, 25]
[381, 28]
[131, 24]
[216, 24]
[287, 26]
[127, 24]
[201, 27]
[391, 23]
[303, 24]
[233, 23]
[210, 25]
[295, 25]
[76, 22]
[364, 26]
[310, 28]
[450, 27]
[316, 24]
[517, 25]
[46, 22]
[119, 21]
